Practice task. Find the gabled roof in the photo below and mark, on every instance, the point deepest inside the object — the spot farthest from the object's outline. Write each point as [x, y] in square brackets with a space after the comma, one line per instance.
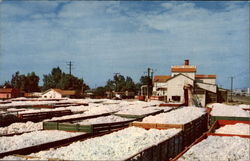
[62, 92]
[202, 76]
[179, 75]
[161, 78]
[65, 92]
[6, 90]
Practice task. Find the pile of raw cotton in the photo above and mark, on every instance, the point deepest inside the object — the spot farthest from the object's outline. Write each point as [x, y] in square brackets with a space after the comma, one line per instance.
[179, 116]
[228, 110]
[237, 129]
[219, 148]
[33, 138]
[101, 120]
[26, 103]
[115, 146]
[21, 127]
[67, 117]
[138, 111]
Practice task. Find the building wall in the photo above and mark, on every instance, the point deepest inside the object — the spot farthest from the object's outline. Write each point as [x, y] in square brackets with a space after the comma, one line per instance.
[52, 94]
[175, 87]
[211, 97]
[189, 74]
[222, 96]
[212, 88]
[207, 80]
[202, 99]
[159, 92]
[5, 95]
[159, 84]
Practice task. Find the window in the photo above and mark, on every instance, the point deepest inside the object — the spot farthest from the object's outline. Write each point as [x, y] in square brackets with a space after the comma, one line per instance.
[176, 98]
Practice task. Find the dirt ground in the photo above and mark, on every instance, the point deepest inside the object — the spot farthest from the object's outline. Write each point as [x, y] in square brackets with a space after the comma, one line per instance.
[240, 99]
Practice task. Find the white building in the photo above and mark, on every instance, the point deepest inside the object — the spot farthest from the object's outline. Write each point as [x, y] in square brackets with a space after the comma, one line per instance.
[58, 93]
[185, 86]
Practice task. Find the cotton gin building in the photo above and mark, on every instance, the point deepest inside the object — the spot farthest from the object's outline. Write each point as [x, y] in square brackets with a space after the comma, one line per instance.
[184, 86]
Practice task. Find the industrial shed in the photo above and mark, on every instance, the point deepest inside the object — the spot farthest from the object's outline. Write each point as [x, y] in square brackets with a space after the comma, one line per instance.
[58, 93]
[185, 86]
[6, 93]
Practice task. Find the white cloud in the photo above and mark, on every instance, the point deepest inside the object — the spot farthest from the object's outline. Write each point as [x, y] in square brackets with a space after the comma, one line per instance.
[80, 10]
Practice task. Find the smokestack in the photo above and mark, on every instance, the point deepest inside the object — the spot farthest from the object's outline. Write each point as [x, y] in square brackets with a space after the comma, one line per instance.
[186, 62]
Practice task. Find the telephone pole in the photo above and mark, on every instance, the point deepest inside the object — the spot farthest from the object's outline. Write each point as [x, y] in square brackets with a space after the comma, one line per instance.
[70, 64]
[149, 81]
[152, 76]
[232, 78]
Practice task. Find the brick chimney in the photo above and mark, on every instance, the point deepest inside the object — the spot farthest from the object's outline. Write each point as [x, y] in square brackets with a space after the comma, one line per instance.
[186, 62]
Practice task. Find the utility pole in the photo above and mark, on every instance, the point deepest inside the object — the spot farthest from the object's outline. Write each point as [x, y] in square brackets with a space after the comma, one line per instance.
[152, 75]
[232, 78]
[148, 82]
[70, 64]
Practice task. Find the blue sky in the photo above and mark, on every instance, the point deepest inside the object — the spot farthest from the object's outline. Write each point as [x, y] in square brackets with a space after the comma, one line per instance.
[102, 38]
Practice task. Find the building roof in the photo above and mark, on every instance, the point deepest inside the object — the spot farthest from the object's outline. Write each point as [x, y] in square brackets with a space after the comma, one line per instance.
[6, 90]
[9, 90]
[177, 75]
[161, 78]
[183, 68]
[65, 92]
[201, 76]
[62, 92]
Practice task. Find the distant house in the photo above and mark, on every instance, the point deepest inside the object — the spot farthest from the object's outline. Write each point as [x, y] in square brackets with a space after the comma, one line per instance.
[33, 95]
[58, 93]
[123, 95]
[89, 93]
[185, 86]
[6, 93]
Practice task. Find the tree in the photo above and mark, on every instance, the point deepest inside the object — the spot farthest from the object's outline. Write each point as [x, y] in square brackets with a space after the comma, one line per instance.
[27, 83]
[100, 91]
[7, 84]
[145, 80]
[32, 81]
[53, 79]
[110, 85]
[130, 85]
[16, 80]
[56, 74]
[120, 84]
[59, 79]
